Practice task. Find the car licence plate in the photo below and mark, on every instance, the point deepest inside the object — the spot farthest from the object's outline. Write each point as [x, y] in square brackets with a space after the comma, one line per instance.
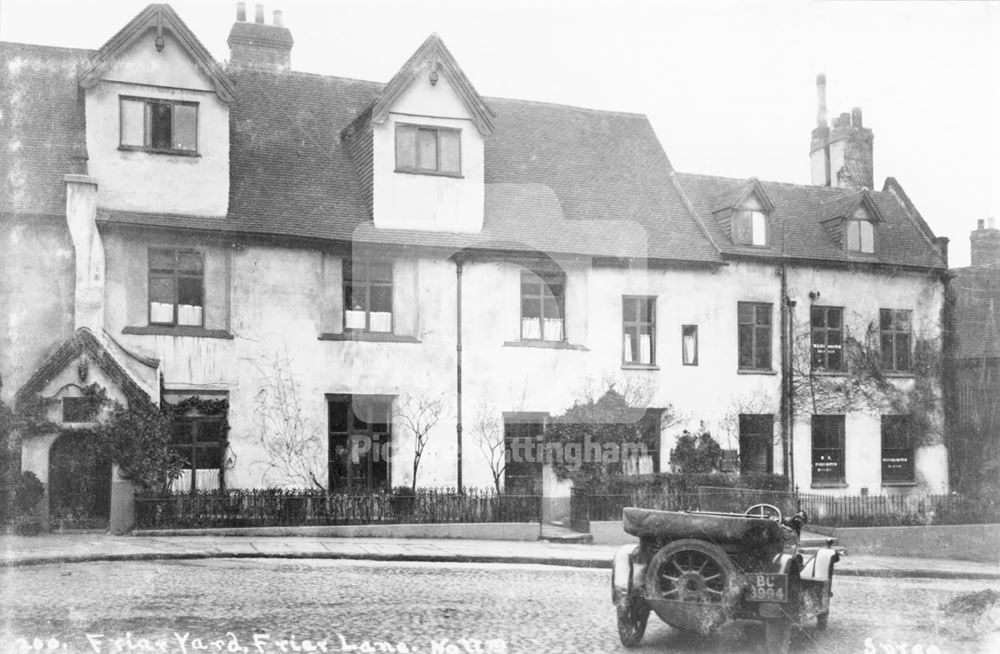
[767, 587]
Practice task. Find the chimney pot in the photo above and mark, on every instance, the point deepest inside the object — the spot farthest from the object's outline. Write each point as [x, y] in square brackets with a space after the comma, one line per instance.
[259, 14]
[241, 12]
[985, 246]
[856, 117]
[821, 115]
[980, 224]
[277, 22]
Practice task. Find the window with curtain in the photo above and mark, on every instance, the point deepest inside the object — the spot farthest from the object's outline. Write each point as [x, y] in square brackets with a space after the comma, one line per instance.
[639, 330]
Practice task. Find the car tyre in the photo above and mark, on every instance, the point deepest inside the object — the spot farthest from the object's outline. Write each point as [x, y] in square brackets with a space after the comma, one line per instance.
[633, 614]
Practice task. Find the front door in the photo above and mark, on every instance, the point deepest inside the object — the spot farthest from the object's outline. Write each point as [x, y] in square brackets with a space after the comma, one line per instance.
[79, 483]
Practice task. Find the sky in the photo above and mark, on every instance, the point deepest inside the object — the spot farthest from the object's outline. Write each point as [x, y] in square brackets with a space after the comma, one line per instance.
[728, 86]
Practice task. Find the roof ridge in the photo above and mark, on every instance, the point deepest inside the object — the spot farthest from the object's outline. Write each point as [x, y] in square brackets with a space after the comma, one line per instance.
[230, 66]
[570, 106]
[744, 180]
[41, 46]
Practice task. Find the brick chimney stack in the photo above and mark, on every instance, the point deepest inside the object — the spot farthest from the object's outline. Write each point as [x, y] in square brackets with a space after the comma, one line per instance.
[985, 241]
[840, 155]
[257, 44]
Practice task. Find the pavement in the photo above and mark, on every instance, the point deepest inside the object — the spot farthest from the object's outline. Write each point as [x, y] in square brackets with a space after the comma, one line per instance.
[16, 551]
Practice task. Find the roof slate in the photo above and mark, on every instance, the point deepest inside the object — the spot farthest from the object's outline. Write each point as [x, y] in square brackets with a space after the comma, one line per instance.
[41, 126]
[977, 312]
[796, 223]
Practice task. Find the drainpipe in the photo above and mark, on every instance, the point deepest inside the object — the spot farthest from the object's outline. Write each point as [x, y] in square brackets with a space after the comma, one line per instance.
[459, 262]
[787, 382]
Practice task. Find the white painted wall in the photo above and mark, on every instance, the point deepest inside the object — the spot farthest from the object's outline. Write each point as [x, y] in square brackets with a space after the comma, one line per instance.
[279, 298]
[862, 295]
[428, 202]
[154, 182]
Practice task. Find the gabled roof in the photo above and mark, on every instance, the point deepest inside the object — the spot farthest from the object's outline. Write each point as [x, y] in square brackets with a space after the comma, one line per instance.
[844, 207]
[82, 341]
[797, 222]
[433, 58]
[159, 17]
[737, 196]
[292, 175]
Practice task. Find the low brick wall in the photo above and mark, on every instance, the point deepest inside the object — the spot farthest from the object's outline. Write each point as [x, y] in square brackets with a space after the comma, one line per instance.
[964, 542]
[477, 531]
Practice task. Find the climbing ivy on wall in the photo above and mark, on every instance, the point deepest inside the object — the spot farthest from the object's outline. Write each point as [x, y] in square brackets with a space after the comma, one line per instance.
[864, 384]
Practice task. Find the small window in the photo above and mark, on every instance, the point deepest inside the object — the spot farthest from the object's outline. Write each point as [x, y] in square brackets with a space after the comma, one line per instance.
[860, 236]
[828, 448]
[749, 228]
[433, 150]
[689, 345]
[543, 300]
[368, 296]
[639, 330]
[754, 335]
[894, 328]
[164, 126]
[78, 409]
[897, 449]
[827, 338]
[176, 281]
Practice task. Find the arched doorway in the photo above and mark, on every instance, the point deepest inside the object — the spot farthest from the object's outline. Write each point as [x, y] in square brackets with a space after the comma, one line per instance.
[79, 483]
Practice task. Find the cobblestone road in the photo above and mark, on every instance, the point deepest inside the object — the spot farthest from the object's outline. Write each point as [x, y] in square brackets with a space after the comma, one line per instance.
[248, 605]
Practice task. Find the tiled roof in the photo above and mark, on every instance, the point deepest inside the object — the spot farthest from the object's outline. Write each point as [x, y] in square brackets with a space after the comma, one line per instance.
[82, 341]
[796, 223]
[977, 312]
[563, 179]
[41, 126]
[292, 175]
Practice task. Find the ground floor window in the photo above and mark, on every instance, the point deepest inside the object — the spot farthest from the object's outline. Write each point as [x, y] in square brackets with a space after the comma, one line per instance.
[201, 439]
[756, 442]
[360, 442]
[828, 448]
[897, 449]
[523, 452]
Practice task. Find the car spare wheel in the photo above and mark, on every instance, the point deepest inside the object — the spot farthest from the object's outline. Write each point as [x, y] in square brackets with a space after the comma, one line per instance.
[692, 585]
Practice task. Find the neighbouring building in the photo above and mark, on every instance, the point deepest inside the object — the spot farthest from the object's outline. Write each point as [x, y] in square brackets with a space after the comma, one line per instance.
[300, 260]
[975, 422]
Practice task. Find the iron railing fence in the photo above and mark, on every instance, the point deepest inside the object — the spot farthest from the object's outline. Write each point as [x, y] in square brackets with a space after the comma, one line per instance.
[293, 507]
[826, 510]
[901, 510]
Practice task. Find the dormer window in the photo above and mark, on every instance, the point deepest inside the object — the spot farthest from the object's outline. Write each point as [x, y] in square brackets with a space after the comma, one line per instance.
[743, 213]
[164, 126]
[860, 235]
[428, 150]
[850, 221]
[749, 228]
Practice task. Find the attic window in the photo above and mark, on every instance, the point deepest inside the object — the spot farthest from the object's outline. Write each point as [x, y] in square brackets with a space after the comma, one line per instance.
[860, 236]
[164, 126]
[749, 228]
[428, 150]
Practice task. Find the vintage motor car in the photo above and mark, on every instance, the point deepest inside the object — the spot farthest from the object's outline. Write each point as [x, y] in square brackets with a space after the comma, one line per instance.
[696, 570]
